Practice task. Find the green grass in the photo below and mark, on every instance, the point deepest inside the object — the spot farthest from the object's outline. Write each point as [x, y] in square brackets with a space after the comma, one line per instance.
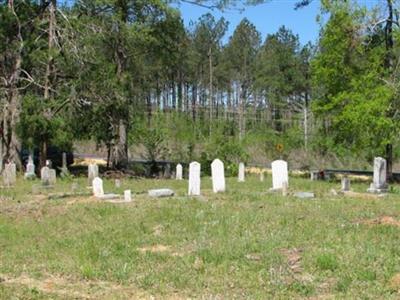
[229, 245]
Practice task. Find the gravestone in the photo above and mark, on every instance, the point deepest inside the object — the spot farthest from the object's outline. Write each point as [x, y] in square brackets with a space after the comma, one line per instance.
[64, 169]
[128, 196]
[279, 174]
[97, 186]
[10, 174]
[30, 169]
[218, 176]
[52, 177]
[117, 183]
[49, 163]
[93, 172]
[45, 176]
[345, 184]
[194, 179]
[158, 193]
[179, 171]
[379, 184]
[241, 172]
[262, 176]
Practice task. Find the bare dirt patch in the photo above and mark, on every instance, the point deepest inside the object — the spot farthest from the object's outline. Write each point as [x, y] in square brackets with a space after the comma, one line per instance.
[164, 249]
[293, 257]
[383, 220]
[394, 282]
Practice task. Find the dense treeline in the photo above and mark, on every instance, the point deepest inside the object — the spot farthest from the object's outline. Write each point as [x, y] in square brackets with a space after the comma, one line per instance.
[125, 73]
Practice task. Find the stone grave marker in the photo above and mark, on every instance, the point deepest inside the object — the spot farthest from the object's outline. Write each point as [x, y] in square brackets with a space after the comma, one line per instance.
[194, 179]
[10, 174]
[93, 172]
[158, 193]
[52, 177]
[345, 184]
[241, 174]
[45, 176]
[379, 184]
[128, 196]
[97, 186]
[279, 174]
[218, 176]
[30, 169]
[262, 176]
[179, 171]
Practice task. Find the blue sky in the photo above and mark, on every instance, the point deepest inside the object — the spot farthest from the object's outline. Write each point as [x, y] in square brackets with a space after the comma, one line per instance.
[270, 16]
[266, 17]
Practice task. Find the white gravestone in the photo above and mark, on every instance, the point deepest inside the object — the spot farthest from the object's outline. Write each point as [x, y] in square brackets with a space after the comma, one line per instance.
[10, 174]
[45, 176]
[280, 176]
[97, 186]
[93, 172]
[30, 169]
[345, 184]
[128, 196]
[179, 171]
[218, 176]
[379, 184]
[241, 172]
[194, 179]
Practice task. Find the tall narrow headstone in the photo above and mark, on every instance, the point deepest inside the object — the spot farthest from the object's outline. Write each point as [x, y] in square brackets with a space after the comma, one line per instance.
[345, 184]
[10, 174]
[279, 174]
[64, 169]
[379, 184]
[194, 179]
[97, 186]
[218, 176]
[179, 171]
[30, 169]
[45, 176]
[93, 172]
[241, 172]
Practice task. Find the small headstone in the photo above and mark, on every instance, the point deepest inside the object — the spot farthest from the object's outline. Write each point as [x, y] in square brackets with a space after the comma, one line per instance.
[10, 174]
[179, 171]
[158, 193]
[117, 183]
[128, 196]
[304, 195]
[279, 174]
[93, 172]
[30, 169]
[262, 176]
[284, 189]
[97, 186]
[218, 176]
[194, 179]
[45, 176]
[241, 172]
[379, 184]
[345, 184]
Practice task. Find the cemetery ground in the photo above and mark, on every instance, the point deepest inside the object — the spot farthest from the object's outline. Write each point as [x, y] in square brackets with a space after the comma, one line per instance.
[244, 243]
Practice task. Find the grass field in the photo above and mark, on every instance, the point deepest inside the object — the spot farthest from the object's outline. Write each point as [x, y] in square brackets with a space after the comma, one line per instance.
[245, 243]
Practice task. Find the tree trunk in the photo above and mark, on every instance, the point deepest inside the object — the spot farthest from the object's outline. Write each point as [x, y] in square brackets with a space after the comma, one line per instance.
[119, 153]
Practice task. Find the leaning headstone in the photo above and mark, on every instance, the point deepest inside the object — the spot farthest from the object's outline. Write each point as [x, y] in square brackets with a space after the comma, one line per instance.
[52, 177]
[93, 172]
[379, 184]
[194, 179]
[279, 174]
[241, 172]
[179, 171]
[45, 176]
[218, 176]
[97, 186]
[30, 169]
[345, 184]
[128, 196]
[10, 174]
[158, 193]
